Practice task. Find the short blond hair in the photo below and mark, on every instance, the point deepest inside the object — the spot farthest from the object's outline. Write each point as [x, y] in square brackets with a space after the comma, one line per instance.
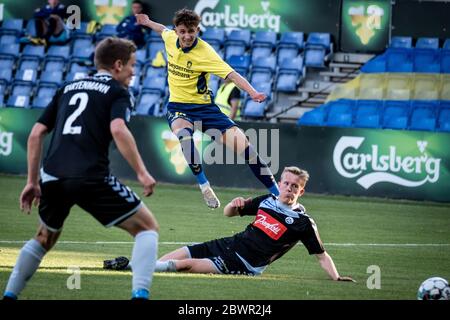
[303, 174]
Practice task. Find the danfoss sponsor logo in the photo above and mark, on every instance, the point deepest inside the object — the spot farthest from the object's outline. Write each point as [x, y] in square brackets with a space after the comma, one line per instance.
[240, 18]
[376, 166]
[272, 227]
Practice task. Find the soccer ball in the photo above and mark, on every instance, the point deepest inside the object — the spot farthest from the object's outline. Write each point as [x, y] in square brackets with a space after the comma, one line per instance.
[434, 288]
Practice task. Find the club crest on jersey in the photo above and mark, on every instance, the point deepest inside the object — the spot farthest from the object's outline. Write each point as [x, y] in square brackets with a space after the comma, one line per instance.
[289, 220]
[189, 64]
[270, 226]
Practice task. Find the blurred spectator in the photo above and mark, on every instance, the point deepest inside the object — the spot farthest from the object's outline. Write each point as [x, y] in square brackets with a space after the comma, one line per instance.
[50, 22]
[128, 27]
[228, 99]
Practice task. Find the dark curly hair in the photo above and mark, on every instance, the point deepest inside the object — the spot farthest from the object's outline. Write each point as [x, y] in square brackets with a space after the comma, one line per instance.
[187, 17]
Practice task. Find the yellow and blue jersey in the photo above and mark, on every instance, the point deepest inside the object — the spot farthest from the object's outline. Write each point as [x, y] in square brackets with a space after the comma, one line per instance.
[189, 69]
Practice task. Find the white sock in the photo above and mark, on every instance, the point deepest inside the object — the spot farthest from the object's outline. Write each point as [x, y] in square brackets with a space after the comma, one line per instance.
[204, 186]
[165, 266]
[30, 257]
[143, 259]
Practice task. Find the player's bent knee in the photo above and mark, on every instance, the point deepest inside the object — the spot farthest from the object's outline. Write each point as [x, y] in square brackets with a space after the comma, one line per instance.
[142, 220]
[46, 238]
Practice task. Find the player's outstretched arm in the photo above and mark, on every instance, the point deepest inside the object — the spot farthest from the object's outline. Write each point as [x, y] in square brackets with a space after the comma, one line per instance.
[243, 84]
[32, 192]
[232, 208]
[144, 20]
[327, 264]
[127, 146]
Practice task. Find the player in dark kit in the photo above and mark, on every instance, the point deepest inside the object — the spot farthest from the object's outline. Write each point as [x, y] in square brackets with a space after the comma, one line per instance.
[279, 224]
[84, 116]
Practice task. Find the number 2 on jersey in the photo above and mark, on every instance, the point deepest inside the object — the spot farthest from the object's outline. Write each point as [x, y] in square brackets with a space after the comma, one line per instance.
[83, 98]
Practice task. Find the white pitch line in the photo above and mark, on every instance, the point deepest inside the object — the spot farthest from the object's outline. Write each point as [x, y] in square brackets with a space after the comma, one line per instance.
[188, 243]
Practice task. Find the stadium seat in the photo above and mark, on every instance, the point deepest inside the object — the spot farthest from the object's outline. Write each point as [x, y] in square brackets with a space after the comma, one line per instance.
[426, 87]
[443, 123]
[81, 32]
[401, 42]
[12, 26]
[107, 30]
[446, 45]
[318, 46]
[399, 60]
[295, 39]
[427, 43]
[33, 52]
[264, 39]
[427, 61]
[5, 74]
[154, 85]
[61, 53]
[18, 101]
[445, 87]
[21, 89]
[290, 74]
[370, 93]
[237, 42]
[398, 81]
[340, 113]
[423, 115]
[254, 109]
[153, 48]
[396, 114]
[29, 63]
[76, 67]
[148, 103]
[397, 94]
[6, 64]
[141, 56]
[152, 72]
[372, 80]
[445, 61]
[54, 65]
[72, 76]
[214, 36]
[240, 63]
[367, 113]
[82, 54]
[8, 38]
[81, 43]
[51, 77]
[30, 28]
[27, 75]
[10, 50]
[261, 52]
[314, 117]
[263, 69]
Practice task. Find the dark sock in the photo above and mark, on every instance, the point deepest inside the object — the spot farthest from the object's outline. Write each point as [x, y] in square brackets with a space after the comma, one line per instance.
[186, 137]
[260, 170]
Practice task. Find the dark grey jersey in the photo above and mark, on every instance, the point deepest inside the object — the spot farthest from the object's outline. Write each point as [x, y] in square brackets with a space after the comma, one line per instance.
[79, 117]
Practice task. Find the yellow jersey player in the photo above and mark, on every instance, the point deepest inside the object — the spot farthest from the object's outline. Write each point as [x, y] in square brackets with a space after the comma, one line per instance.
[190, 63]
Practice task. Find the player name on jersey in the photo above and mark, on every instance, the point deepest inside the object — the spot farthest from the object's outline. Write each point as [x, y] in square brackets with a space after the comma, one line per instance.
[88, 85]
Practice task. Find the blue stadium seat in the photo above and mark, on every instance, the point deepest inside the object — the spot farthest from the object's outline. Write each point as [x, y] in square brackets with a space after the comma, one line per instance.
[240, 63]
[10, 50]
[8, 38]
[148, 103]
[237, 42]
[444, 119]
[427, 43]
[41, 102]
[82, 54]
[29, 63]
[293, 39]
[21, 89]
[33, 52]
[18, 101]
[153, 48]
[445, 61]
[399, 60]
[263, 69]
[46, 91]
[289, 75]
[396, 114]
[401, 42]
[427, 60]
[51, 77]
[81, 32]
[260, 52]
[12, 26]
[30, 29]
[423, 115]
[264, 39]
[234, 50]
[6, 64]
[314, 117]
[152, 72]
[286, 53]
[154, 85]
[54, 65]
[76, 67]
[367, 113]
[5, 74]
[72, 76]
[107, 30]
[446, 45]
[27, 75]
[318, 39]
[340, 113]
[214, 36]
[141, 56]
[254, 109]
[58, 53]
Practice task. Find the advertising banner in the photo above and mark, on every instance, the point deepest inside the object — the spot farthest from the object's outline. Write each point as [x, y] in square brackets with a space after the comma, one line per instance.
[365, 25]
[364, 162]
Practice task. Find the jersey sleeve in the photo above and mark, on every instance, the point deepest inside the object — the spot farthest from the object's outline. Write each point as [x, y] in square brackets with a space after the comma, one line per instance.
[48, 117]
[251, 208]
[167, 34]
[214, 64]
[121, 105]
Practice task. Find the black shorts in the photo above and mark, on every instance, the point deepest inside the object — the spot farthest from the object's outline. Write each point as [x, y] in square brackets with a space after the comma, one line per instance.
[106, 199]
[226, 261]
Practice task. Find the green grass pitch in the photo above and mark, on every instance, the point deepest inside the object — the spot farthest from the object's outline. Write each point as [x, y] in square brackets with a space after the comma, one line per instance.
[408, 241]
